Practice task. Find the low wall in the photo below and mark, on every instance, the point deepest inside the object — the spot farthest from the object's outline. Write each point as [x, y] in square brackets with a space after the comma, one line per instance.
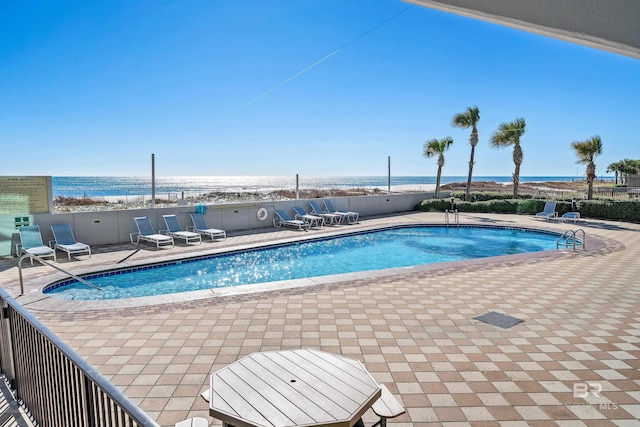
[109, 227]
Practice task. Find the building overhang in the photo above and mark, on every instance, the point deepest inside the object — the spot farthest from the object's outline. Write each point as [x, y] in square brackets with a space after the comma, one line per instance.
[613, 26]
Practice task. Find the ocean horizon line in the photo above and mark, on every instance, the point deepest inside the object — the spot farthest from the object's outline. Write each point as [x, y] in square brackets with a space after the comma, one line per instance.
[125, 186]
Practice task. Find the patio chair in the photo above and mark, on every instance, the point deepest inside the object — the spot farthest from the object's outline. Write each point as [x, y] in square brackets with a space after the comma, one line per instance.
[31, 243]
[200, 226]
[146, 233]
[64, 240]
[313, 220]
[351, 217]
[571, 216]
[549, 211]
[282, 218]
[174, 230]
[386, 407]
[193, 422]
[329, 218]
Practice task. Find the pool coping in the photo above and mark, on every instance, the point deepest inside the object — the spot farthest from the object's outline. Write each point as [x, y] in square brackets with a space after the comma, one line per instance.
[37, 301]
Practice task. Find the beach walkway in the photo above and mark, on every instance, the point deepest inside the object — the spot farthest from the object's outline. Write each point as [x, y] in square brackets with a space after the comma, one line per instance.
[574, 361]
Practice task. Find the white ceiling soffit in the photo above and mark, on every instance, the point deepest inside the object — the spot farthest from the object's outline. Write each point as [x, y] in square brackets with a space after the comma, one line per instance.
[612, 25]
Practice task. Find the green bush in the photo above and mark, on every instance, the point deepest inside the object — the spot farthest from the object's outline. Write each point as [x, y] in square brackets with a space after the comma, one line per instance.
[627, 210]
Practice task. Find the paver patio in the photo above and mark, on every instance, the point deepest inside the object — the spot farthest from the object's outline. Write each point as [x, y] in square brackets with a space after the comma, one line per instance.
[574, 361]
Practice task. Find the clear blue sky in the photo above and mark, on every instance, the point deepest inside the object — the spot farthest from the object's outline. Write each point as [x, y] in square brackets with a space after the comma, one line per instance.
[259, 87]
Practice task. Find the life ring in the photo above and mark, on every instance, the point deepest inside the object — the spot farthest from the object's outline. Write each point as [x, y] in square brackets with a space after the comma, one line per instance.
[262, 214]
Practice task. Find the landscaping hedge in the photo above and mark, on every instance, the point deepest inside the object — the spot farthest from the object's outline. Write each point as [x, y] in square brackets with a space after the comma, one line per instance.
[627, 210]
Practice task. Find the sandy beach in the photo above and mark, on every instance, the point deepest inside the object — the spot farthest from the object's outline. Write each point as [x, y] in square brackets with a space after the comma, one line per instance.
[89, 204]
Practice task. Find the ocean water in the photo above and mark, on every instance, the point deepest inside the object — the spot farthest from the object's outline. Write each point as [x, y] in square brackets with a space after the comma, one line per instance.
[108, 186]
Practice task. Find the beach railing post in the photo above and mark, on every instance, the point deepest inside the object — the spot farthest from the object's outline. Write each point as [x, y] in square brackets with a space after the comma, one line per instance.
[153, 180]
[388, 174]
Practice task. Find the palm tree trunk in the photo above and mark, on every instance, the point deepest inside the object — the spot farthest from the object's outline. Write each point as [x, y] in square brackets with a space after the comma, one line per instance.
[516, 180]
[438, 182]
[591, 175]
[467, 195]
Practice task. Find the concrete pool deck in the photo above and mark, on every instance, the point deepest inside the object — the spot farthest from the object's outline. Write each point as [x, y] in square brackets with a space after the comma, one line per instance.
[574, 361]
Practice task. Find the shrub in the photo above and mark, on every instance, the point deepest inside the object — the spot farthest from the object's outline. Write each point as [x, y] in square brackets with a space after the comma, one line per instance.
[611, 210]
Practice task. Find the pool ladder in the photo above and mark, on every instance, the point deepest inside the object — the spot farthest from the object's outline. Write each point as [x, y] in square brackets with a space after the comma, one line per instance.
[455, 217]
[570, 239]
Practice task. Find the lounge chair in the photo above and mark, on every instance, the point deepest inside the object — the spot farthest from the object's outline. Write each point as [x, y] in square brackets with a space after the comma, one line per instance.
[174, 230]
[200, 226]
[571, 216]
[281, 218]
[351, 217]
[146, 233]
[313, 220]
[549, 211]
[329, 218]
[65, 241]
[31, 243]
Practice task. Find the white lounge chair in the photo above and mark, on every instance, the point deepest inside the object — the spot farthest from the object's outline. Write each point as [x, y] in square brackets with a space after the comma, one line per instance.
[174, 230]
[146, 233]
[31, 243]
[329, 218]
[200, 226]
[281, 218]
[313, 220]
[571, 216]
[549, 211]
[65, 241]
[351, 217]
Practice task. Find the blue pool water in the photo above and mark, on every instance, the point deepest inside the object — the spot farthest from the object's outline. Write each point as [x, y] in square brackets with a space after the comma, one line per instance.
[390, 248]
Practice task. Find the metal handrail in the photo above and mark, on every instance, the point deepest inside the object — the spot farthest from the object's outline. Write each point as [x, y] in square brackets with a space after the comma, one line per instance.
[53, 382]
[37, 258]
[456, 218]
[571, 236]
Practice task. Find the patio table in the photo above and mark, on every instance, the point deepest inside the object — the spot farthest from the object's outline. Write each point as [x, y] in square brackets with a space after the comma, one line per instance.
[292, 388]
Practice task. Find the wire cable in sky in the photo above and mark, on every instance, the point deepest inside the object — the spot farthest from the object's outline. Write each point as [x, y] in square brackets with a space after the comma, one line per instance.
[320, 61]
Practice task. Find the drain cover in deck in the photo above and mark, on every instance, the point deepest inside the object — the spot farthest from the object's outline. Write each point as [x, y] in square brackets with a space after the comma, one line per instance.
[498, 319]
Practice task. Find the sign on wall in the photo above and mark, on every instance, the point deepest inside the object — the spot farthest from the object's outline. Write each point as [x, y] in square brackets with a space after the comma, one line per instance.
[25, 194]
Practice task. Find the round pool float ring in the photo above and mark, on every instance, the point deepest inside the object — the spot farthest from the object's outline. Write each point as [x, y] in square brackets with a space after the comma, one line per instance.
[262, 214]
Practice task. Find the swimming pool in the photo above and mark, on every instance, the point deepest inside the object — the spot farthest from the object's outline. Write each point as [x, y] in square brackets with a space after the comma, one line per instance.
[364, 251]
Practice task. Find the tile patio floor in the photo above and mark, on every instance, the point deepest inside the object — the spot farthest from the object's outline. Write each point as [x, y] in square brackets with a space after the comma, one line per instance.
[414, 332]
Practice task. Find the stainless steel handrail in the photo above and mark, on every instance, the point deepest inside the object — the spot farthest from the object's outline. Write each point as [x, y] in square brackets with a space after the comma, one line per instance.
[446, 217]
[570, 236]
[37, 258]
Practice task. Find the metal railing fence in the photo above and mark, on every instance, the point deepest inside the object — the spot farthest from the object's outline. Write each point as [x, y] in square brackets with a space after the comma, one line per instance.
[56, 385]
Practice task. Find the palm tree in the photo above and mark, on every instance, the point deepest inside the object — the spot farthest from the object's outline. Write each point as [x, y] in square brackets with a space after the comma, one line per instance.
[616, 167]
[437, 147]
[510, 134]
[587, 151]
[629, 167]
[466, 120]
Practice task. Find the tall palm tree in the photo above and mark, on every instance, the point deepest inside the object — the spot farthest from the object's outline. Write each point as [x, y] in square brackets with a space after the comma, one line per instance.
[587, 151]
[509, 134]
[466, 120]
[437, 147]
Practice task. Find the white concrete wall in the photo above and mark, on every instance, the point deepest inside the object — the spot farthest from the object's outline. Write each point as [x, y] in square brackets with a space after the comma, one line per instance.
[109, 227]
